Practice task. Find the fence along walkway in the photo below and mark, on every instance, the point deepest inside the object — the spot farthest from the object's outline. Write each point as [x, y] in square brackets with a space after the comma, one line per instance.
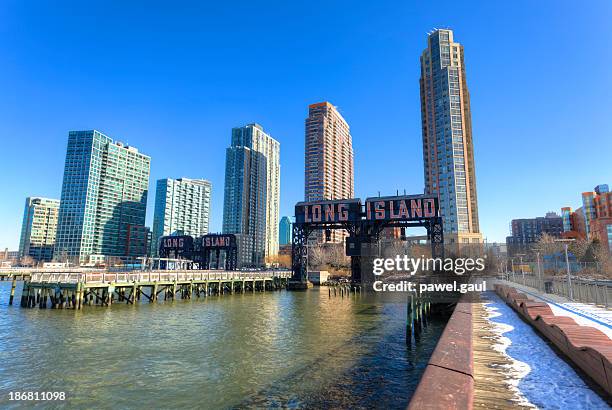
[597, 292]
[76, 289]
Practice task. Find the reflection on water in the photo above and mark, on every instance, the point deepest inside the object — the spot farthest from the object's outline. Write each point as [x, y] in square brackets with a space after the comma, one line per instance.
[289, 349]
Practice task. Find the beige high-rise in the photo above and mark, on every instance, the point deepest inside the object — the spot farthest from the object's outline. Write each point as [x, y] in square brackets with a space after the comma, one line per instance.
[448, 152]
[39, 228]
[329, 172]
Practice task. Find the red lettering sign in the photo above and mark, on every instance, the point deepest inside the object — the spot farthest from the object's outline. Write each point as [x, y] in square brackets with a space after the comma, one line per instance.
[343, 212]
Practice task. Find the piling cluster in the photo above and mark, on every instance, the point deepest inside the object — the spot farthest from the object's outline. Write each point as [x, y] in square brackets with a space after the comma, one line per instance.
[418, 311]
[344, 290]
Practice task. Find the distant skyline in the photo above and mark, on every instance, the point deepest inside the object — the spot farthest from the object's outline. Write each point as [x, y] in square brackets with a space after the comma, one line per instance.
[173, 81]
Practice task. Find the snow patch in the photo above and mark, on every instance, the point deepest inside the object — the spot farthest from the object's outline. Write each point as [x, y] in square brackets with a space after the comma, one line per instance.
[517, 370]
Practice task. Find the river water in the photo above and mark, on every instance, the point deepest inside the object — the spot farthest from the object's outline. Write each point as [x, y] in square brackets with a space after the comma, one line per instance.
[273, 349]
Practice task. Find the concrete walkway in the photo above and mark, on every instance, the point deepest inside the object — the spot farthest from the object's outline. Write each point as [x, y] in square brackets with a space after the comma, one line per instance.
[584, 314]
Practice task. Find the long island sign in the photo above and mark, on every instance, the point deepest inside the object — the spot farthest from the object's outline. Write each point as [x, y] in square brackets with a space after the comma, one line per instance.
[400, 208]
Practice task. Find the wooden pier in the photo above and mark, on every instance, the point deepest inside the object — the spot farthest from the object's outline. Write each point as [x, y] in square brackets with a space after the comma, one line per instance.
[73, 290]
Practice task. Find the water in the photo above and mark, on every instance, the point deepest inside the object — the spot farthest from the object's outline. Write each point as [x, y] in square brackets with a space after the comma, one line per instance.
[273, 349]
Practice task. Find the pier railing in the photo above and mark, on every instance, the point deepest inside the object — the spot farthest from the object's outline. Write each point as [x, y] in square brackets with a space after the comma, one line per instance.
[597, 292]
[154, 276]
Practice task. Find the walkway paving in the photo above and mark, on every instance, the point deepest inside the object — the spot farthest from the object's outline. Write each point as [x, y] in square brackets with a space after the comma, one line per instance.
[492, 379]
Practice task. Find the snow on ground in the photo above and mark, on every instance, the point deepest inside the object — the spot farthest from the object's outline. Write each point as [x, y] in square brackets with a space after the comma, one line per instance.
[543, 378]
[517, 370]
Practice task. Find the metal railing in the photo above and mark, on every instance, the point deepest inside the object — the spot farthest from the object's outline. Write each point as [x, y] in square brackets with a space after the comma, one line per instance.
[598, 292]
[154, 276]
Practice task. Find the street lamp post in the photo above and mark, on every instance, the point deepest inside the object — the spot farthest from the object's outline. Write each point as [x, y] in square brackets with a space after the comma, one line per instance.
[569, 274]
[522, 270]
[539, 272]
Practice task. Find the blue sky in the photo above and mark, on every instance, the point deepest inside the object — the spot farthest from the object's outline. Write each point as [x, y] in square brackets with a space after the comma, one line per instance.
[173, 78]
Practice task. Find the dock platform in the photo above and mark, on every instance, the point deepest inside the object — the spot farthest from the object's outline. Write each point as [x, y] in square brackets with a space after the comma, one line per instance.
[73, 290]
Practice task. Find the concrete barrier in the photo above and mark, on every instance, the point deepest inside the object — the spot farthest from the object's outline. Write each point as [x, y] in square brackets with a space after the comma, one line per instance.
[587, 347]
[448, 380]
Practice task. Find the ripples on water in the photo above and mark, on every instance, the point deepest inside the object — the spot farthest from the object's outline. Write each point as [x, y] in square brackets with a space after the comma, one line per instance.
[274, 349]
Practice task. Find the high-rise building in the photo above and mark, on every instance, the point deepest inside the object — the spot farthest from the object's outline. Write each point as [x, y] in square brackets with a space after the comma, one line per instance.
[597, 215]
[566, 214]
[182, 207]
[448, 152]
[39, 228]
[252, 193]
[526, 232]
[284, 231]
[588, 206]
[104, 198]
[329, 172]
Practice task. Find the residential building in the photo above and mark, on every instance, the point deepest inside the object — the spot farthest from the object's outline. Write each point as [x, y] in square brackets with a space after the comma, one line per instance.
[329, 172]
[252, 193]
[104, 198]
[593, 220]
[448, 152]
[8, 258]
[182, 207]
[574, 224]
[284, 231]
[588, 206]
[526, 232]
[285, 250]
[600, 226]
[392, 234]
[39, 228]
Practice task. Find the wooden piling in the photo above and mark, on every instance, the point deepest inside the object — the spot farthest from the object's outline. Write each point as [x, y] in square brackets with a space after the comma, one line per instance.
[409, 321]
[13, 286]
[79, 295]
[25, 293]
[417, 319]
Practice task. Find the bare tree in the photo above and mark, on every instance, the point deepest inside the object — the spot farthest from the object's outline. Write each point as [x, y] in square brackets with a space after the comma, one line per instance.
[547, 245]
[283, 261]
[602, 255]
[580, 248]
[418, 250]
[336, 257]
[315, 256]
[391, 249]
[27, 260]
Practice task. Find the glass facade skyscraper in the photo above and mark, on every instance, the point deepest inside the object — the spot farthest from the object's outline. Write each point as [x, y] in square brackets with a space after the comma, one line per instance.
[252, 193]
[103, 202]
[448, 152]
[182, 207]
[39, 228]
[284, 231]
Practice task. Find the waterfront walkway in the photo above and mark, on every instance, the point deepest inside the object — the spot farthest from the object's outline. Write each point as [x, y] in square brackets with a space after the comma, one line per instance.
[493, 382]
[584, 314]
[495, 353]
